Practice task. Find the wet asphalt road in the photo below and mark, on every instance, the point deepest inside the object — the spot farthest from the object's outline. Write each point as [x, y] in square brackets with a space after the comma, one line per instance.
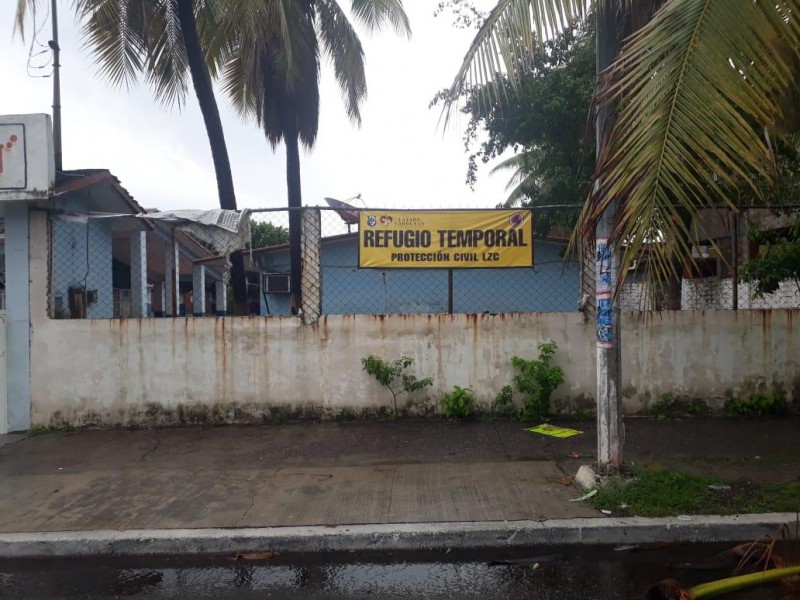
[560, 574]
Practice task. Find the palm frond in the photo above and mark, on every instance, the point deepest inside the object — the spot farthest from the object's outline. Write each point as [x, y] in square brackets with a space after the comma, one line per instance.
[22, 12]
[216, 31]
[695, 88]
[167, 65]
[343, 48]
[253, 31]
[116, 33]
[377, 14]
[794, 142]
[522, 178]
[264, 84]
[511, 33]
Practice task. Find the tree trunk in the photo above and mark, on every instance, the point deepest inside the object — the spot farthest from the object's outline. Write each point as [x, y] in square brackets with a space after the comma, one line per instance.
[216, 138]
[295, 216]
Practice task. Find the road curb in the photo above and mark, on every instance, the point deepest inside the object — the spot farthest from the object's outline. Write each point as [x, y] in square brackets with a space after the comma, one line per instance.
[402, 536]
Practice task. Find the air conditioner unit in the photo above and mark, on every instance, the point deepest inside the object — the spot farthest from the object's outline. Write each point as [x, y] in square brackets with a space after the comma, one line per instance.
[275, 283]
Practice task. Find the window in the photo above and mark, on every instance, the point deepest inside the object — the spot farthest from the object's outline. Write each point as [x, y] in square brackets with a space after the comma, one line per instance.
[275, 283]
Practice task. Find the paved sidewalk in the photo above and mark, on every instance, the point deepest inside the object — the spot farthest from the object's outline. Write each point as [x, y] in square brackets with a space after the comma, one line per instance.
[330, 474]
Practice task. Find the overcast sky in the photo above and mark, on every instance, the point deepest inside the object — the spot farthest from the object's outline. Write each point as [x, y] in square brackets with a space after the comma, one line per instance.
[398, 158]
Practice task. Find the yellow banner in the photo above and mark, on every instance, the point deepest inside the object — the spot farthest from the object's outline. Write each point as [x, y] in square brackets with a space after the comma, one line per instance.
[405, 239]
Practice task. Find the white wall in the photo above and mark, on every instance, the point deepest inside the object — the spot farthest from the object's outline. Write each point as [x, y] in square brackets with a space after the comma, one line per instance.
[710, 355]
[3, 389]
[116, 371]
[715, 292]
[242, 369]
[706, 293]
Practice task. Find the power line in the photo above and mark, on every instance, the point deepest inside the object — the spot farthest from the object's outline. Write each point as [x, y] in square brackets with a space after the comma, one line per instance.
[37, 29]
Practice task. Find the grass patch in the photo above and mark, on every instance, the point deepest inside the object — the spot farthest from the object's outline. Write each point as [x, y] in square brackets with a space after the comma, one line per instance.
[46, 430]
[656, 492]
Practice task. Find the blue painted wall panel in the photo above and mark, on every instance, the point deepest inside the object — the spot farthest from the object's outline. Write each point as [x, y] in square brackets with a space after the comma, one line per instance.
[551, 286]
[82, 257]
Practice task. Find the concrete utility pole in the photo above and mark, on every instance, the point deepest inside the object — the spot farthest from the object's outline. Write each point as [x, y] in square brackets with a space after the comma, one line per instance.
[610, 431]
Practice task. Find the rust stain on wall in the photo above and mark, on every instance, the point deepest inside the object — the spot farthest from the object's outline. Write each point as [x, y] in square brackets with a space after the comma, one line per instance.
[213, 368]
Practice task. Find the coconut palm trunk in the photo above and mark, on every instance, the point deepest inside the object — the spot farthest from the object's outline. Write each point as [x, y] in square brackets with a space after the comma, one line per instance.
[291, 139]
[204, 90]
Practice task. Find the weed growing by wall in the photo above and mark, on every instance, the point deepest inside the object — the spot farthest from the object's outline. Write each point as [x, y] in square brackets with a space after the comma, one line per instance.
[457, 403]
[393, 376]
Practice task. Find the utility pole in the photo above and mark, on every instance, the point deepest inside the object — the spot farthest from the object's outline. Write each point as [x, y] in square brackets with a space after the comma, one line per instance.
[56, 86]
[610, 430]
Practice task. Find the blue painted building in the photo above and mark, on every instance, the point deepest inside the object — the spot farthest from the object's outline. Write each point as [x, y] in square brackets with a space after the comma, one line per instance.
[95, 240]
[550, 286]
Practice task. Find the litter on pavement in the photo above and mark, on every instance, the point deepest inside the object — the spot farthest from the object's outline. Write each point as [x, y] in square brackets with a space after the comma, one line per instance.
[553, 431]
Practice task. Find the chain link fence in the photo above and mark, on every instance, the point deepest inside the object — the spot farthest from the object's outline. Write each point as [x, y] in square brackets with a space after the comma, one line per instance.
[123, 266]
[339, 286]
[731, 253]
[82, 271]
[118, 268]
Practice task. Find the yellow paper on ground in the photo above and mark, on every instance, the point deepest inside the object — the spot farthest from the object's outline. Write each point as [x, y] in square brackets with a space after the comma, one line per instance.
[553, 431]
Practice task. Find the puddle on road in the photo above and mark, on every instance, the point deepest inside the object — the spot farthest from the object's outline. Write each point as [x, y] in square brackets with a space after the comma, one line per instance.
[566, 573]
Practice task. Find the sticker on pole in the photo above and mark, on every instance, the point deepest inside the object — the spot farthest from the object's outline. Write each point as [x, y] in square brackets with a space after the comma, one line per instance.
[553, 431]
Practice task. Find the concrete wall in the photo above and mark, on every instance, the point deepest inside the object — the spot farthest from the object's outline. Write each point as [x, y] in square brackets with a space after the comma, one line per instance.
[3, 395]
[710, 355]
[246, 369]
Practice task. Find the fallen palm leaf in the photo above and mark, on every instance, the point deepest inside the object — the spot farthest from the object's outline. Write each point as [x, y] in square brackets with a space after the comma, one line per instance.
[758, 554]
[671, 590]
[586, 496]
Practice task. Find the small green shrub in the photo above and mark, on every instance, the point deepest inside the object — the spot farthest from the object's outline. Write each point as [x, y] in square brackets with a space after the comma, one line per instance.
[504, 399]
[662, 408]
[537, 379]
[757, 405]
[458, 403]
[393, 376]
[696, 408]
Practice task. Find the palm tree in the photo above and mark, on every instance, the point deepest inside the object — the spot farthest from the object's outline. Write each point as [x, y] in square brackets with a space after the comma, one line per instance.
[522, 180]
[284, 102]
[699, 101]
[159, 39]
